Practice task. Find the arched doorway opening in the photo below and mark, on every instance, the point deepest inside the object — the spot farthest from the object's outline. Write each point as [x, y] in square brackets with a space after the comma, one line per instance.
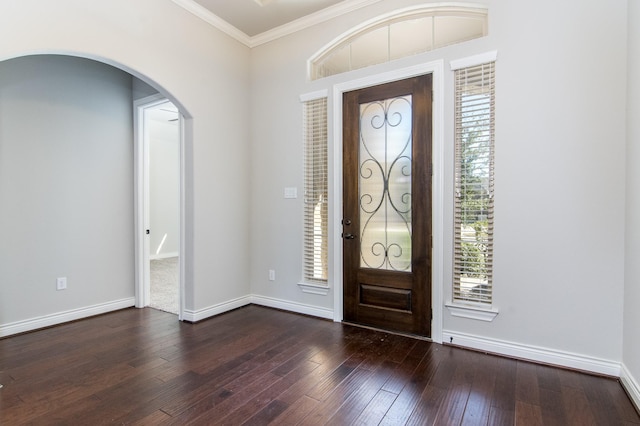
[72, 201]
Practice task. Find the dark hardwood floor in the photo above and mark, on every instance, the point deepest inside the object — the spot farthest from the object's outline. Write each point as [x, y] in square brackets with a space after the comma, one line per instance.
[261, 366]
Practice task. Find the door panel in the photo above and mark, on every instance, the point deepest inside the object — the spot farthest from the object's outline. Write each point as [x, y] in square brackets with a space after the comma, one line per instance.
[387, 206]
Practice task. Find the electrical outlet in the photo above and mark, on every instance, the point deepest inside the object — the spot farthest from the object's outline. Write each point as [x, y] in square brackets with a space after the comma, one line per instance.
[272, 275]
[61, 283]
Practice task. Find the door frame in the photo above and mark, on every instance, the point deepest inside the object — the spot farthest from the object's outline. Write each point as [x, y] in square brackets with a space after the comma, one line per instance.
[335, 229]
[141, 211]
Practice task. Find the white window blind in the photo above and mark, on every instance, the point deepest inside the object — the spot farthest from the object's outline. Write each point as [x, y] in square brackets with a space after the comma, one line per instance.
[474, 177]
[315, 191]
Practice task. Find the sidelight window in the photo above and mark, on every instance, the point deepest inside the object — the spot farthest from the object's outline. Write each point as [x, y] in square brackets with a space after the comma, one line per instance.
[474, 178]
[315, 256]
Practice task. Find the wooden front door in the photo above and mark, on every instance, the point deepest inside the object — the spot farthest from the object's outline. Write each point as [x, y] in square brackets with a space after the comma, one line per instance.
[387, 206]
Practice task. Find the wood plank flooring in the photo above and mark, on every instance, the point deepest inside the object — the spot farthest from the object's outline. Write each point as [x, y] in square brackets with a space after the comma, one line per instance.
[259, 366]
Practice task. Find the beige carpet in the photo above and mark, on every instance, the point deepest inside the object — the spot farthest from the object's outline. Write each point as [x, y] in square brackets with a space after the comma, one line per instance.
[164, 284]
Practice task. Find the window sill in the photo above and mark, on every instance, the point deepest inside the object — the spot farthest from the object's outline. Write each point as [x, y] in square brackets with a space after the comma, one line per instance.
[472, 312]
[318, 289]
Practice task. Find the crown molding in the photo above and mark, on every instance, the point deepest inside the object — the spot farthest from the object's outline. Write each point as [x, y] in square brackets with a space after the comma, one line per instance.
[281, 31]
[310, 20]
[214, 20]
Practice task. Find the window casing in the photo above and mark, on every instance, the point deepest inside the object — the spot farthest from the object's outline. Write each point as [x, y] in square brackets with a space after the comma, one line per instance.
[474, 181]
[315, 252]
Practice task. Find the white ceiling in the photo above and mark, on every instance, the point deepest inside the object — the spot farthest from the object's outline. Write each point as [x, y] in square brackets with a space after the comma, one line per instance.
[252, 19]
[254, 22]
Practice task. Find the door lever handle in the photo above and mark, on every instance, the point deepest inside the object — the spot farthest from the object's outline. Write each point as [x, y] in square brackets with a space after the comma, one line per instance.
[348, 236]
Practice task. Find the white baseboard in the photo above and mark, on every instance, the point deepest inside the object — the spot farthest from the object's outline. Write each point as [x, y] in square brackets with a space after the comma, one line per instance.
[533, 353]
[220, 308]
[163, 255]
[286, 305]
[631, 385]
[62, 317]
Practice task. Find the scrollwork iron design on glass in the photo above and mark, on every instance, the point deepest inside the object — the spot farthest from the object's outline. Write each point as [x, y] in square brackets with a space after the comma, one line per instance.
[385, 184]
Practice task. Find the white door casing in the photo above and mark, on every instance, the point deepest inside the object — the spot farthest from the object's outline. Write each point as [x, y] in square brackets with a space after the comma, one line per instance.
[336, 270]
[142, 205]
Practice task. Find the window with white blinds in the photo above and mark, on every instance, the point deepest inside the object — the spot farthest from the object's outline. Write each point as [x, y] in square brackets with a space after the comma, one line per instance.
[474, 170]
[315, 191]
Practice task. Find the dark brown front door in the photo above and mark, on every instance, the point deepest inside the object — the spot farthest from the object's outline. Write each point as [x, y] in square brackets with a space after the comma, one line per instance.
[387, 206]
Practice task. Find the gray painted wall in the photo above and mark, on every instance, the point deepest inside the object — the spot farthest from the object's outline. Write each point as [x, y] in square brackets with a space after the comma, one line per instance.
[560, 153]
[164, 188]
[631, 353]
[66, 185]
[191, 66]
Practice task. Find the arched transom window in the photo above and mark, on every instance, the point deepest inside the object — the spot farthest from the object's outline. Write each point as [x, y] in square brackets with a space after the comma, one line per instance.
[402, 33]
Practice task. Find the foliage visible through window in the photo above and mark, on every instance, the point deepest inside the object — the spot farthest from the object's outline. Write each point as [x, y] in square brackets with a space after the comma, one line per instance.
[407, 32]
[315, 191]
[474, 163]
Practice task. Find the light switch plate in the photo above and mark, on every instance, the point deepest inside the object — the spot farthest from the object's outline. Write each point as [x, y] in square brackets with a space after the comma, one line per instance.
[291, 192]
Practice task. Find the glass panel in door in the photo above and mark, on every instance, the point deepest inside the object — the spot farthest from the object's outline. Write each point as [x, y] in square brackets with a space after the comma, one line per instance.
[385, 184]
